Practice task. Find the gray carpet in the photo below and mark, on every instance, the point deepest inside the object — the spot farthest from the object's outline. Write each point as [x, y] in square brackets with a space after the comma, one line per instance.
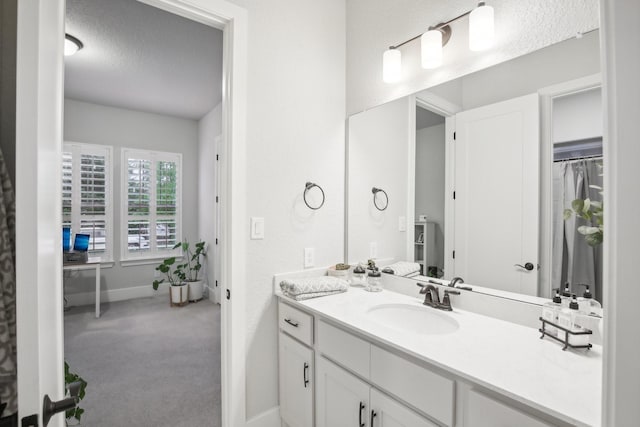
[147, 364]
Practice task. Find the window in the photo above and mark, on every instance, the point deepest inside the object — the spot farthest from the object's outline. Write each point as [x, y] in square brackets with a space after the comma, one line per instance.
[86, 195]
[151, 203]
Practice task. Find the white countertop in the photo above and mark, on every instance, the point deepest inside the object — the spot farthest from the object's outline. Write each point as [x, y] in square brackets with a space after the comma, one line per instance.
[501, 356]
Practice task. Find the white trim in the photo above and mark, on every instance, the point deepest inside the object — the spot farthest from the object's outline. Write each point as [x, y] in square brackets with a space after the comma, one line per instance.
[269, 418]
[547, 95]
[233, 20]
[113, 295]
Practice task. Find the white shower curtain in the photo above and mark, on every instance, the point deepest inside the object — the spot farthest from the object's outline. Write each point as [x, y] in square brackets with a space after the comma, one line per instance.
[574, 261]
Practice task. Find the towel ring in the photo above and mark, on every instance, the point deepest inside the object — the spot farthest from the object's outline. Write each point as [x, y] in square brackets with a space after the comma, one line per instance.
[308, 186]
[375, 191]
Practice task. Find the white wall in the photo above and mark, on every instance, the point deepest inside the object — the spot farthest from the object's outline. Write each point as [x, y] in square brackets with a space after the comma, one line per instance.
[373, 25]
[430, 175]
[622, 201]
[98, 124]
[378, 156]
[295, 133]
[578, 116]
[209, 129]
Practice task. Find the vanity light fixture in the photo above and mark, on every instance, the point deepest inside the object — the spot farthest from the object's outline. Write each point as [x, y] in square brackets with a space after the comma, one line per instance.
[481, 37]
[391, 65]
[71, 45]
[481, 28]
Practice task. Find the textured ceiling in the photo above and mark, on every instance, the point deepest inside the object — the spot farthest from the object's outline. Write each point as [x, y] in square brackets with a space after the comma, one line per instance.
[142, 58]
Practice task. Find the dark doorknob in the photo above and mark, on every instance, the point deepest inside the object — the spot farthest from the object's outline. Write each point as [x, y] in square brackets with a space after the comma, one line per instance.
[49, 408]
[528, 266]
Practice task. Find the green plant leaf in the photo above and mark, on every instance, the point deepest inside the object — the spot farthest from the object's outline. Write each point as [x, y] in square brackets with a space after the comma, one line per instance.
[578, 205]
[587, 230]
[568, 213]
[586, 206]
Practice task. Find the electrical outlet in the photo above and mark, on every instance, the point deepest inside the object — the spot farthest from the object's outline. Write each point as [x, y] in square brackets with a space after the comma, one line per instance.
[309, 257]
[373, 250]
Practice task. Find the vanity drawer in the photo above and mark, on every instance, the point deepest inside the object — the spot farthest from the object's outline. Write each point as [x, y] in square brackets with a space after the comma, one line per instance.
[429, 392]
[482, 411]
[296, 323]
[344, 348]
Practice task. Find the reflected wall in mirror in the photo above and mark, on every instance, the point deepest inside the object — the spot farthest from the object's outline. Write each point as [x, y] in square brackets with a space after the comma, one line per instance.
[480, 171]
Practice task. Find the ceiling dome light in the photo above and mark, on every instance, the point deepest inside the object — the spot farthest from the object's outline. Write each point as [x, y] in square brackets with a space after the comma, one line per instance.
[481, 27]
[71, 45]
[391, 65]
[431, 43]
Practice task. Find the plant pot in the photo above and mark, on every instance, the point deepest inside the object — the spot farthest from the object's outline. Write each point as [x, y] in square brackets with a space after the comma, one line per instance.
[179, 295]
[196, 289]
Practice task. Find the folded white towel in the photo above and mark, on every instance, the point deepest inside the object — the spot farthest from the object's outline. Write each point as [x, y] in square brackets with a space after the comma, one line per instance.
[302, 297]
[312, 285]
[403, 268]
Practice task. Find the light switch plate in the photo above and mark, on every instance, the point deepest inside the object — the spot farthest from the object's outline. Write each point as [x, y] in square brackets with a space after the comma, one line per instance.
[309, 257]
[373, 250]
[257, 228]
[402, 223]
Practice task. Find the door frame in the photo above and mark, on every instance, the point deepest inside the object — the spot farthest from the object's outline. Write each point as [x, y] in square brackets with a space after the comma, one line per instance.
[39, 140]
[547, 95]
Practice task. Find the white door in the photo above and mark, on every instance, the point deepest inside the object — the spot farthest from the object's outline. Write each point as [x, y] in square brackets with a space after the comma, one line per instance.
[342, 400]
[496, 195]
[38, 206]
[296, 382]
[386, 412]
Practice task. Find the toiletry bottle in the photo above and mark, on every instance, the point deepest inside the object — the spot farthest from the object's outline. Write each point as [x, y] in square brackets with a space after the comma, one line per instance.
[578, 320]
[588, 305]
[550, 312]
[566, 316]
[359, 276]
[566, 295]
[374, 281]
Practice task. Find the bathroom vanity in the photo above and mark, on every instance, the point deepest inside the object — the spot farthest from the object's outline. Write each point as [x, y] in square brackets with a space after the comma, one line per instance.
[385, 359]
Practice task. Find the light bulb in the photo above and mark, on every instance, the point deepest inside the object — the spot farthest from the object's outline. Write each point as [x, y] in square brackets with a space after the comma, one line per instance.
[391, 66]
[481, 28]
[431, 43]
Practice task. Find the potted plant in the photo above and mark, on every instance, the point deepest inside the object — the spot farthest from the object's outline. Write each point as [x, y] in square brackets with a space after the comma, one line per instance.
[192, 267]
[73, 416]
[175, 275]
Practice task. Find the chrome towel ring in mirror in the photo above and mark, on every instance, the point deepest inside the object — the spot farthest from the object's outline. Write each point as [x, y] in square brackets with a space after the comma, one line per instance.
[308, 186]
[375, 192]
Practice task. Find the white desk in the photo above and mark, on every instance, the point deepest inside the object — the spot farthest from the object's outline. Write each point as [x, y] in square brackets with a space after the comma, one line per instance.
[92, 264]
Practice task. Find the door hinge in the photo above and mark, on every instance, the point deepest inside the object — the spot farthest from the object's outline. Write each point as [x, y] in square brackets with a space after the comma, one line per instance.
[454, 136]
[228, 294]
[454, 254]
[216, 240]
[30, 421]
[454, 195]
[217, 157]
[216, 199]
[216, 283]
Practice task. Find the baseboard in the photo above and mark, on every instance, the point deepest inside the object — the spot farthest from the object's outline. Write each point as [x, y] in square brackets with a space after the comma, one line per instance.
[269, 418]
[112, 295]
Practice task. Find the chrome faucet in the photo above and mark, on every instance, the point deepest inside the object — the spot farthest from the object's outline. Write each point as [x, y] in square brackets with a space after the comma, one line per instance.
[432, 297]
[455, 281]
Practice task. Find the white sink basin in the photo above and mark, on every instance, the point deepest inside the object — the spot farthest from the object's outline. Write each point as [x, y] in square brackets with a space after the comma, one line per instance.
[411, 318]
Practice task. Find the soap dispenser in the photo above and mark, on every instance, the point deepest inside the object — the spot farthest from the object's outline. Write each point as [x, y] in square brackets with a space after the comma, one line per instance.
[359, 276]
[550, 311]
[588, 305]
[374, 281]
[566, 295]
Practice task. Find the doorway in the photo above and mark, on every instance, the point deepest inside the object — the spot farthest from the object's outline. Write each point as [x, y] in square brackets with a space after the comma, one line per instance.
[39, 122]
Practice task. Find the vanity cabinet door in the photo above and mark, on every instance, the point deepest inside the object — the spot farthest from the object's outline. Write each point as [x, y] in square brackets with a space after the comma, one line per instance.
[296, 382]
[342, 400]
[386, 412]
[482, 411]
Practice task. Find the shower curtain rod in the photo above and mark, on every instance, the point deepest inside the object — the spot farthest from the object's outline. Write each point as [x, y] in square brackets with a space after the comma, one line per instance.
[599, 156]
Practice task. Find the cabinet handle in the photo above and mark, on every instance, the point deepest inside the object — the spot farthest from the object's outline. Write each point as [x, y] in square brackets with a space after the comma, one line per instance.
[360, 408]
[373, 415]
[292, 323]
[304, 374]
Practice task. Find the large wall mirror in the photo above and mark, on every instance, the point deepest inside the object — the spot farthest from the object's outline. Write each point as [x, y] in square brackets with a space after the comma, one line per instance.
[482, 172]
